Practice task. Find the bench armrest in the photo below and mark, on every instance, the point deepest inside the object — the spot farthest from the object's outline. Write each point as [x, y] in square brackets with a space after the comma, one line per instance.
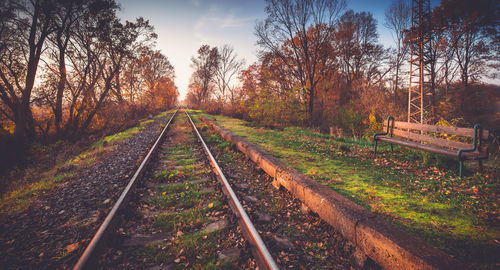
[474, 142]
[389, 128]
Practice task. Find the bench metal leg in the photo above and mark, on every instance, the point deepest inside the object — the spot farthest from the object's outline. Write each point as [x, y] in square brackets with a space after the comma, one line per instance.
[461, 168]
[392, 149]
[480, 165]
[375, 149]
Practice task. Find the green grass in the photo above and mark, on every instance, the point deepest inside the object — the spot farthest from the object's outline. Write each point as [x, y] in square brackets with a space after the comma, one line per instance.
[179, 151]
[185, 161]
[192, 218]
[144, 123]
[417, 191]
[118, 137]
[185, 196]
[178, 187]
[163, 114]
[20, 198]
[192, 244]
[187, 172]
[168, 174]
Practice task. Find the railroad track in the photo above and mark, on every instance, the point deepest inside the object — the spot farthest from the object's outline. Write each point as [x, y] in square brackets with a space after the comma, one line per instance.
[173, 214]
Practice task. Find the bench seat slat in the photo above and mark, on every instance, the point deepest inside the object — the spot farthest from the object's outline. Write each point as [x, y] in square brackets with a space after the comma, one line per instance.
[481, 153]
[432, 140]
[426, 147]
[466, 132]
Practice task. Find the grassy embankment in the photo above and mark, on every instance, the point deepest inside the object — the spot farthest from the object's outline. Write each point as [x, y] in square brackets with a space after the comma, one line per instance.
[417, 191]
[38, 182]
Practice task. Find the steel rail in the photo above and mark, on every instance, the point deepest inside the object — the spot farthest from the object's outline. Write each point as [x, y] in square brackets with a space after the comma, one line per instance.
[264, 258]
[89, 251]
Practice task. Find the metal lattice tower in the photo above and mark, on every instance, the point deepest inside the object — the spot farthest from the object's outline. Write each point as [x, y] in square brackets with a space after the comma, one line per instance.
[420, 45]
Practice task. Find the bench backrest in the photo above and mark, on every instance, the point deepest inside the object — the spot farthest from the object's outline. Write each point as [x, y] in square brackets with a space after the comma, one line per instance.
[403, 129]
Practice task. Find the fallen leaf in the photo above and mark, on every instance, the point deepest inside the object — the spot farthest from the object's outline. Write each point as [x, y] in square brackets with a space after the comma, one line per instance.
[72, 247]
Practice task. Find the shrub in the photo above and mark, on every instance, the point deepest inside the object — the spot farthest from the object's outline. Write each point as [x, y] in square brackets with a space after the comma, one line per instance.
[350, 119]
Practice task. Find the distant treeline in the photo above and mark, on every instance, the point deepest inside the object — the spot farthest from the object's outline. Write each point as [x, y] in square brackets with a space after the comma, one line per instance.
[321, 65]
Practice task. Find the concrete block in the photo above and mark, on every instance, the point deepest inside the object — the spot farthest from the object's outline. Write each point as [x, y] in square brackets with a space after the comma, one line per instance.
[268, 165]
[393, 248]
[332, 210]
[254, 154]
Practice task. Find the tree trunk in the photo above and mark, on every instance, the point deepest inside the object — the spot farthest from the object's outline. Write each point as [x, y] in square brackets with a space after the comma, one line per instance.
[118, 88]
[311, 106]
[396, 84]
[59, 95]
[23, 112]
[397, 73]
[20, 121]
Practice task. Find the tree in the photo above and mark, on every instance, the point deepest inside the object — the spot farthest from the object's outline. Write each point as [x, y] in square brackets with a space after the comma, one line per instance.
[25, 29]
[68, 13]
[288, 21]
[473, 32]
[360, 55]
[163, 95]
[155, 67]
[66, 20]
[205, 68]
[99, 47]
[125, 40]
[448, 68]
[117, 41]
[229, 65]
[397, 19]
[157, 76]
[249, 79]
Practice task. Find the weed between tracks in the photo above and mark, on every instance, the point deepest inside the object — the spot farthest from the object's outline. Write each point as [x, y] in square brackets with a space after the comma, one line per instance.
[178, 220]
[417, 191]
[188, 197]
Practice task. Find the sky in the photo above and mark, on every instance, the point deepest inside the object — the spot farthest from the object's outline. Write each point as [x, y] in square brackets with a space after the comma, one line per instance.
[184, 25]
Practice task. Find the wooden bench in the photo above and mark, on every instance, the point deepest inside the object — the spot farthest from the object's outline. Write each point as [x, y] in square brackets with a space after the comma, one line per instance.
[428, 142]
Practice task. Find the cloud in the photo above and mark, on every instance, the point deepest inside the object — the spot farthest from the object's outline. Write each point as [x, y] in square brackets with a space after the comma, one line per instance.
[196, 3]
[232, 22]
[215, 25]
